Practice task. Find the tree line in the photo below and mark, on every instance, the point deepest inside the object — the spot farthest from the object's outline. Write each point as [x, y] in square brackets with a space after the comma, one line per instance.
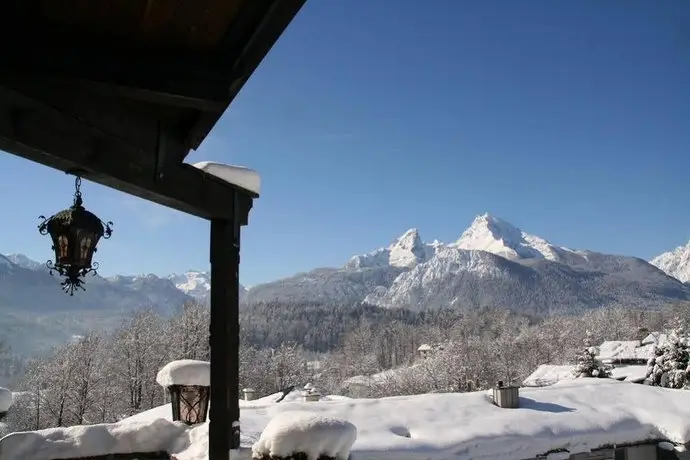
[104, 377]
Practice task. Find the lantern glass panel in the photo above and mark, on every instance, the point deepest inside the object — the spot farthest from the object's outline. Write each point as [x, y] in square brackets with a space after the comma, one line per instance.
[189, 403]
[86, 245]
[62, 249]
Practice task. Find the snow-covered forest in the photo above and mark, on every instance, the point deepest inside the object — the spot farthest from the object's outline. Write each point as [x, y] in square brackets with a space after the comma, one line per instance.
[104, 377]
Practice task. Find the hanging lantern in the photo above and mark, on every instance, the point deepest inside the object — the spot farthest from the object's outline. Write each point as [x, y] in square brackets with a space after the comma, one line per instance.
[75, 233]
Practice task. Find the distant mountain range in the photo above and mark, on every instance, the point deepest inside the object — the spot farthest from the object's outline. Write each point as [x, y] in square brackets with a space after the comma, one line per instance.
[492, 264]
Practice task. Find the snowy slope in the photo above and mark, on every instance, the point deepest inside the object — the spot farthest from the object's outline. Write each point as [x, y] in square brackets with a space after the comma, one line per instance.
[5, 263]
[24, 262]
[577, 416]
[676, 263]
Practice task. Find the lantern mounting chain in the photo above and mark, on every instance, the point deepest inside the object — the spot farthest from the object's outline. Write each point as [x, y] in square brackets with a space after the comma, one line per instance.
[75, 233]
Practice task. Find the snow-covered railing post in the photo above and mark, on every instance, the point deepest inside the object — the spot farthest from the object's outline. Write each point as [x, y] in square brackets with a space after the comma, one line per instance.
[305, 435]
[188, 382]
[506, 396]
[249, 394]
[5, 402]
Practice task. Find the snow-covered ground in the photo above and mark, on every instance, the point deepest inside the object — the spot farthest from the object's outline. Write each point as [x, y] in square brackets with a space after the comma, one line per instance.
[577, 415]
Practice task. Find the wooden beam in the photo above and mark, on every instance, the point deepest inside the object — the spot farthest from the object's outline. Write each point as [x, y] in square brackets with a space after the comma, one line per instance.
[33, 130]
[224, 429]
[161, 77]
[250, 37]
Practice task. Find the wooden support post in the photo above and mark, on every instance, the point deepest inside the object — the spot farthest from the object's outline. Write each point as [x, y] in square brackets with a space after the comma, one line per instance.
[224, 429]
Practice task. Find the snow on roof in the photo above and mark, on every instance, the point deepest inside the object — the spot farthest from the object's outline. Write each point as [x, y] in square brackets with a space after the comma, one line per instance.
[5, 399]
[238, 175]
[424, 347]
[658, 338]
[626, 349]
[577, 415]
[381, 378]
[548, 374]
[185, 372]
[308, 432]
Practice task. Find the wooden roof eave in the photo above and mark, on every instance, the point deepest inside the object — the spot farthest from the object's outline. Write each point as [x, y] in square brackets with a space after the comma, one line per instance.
[130, 119]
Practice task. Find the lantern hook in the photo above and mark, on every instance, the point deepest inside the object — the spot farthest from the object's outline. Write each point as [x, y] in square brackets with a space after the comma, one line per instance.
[77, 192]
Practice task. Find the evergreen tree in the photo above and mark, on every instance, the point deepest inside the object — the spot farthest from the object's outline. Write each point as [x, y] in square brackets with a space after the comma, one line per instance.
[670, 365]
[587, 363]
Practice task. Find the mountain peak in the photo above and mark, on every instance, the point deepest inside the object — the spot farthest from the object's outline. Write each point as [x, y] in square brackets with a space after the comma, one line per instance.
[493, 234]
[409, 240]
[486, 224]
[408, 250]
[675, 263]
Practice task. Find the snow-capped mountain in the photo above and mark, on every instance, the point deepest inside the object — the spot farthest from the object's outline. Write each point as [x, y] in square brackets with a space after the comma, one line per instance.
[493, 263]
[676, 263]
[27, 284]
[194, 283]
[197, 284]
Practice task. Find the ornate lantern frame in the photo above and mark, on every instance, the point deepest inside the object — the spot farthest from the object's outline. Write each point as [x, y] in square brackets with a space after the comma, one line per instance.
[189, 403]
[75, 233]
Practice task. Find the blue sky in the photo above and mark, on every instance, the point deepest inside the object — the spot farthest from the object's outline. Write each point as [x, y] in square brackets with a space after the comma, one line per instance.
[569, 119]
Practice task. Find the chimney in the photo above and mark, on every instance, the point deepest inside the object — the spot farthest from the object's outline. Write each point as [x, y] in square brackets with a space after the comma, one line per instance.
[249, 394]
[310, 393]
[506, 396]
[312, 396]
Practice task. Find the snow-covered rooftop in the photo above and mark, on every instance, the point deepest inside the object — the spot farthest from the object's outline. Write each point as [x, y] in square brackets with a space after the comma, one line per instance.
[237, 175]
[548, 374]
[624, 349]
[577, 415]
[658, 338]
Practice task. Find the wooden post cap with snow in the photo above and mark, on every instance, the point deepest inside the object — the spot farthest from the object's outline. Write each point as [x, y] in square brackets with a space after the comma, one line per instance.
[5, 401]
[189, 384]
[305, 435]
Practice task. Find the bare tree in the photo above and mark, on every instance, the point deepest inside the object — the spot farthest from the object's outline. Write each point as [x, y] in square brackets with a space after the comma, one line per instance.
[140, 351]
